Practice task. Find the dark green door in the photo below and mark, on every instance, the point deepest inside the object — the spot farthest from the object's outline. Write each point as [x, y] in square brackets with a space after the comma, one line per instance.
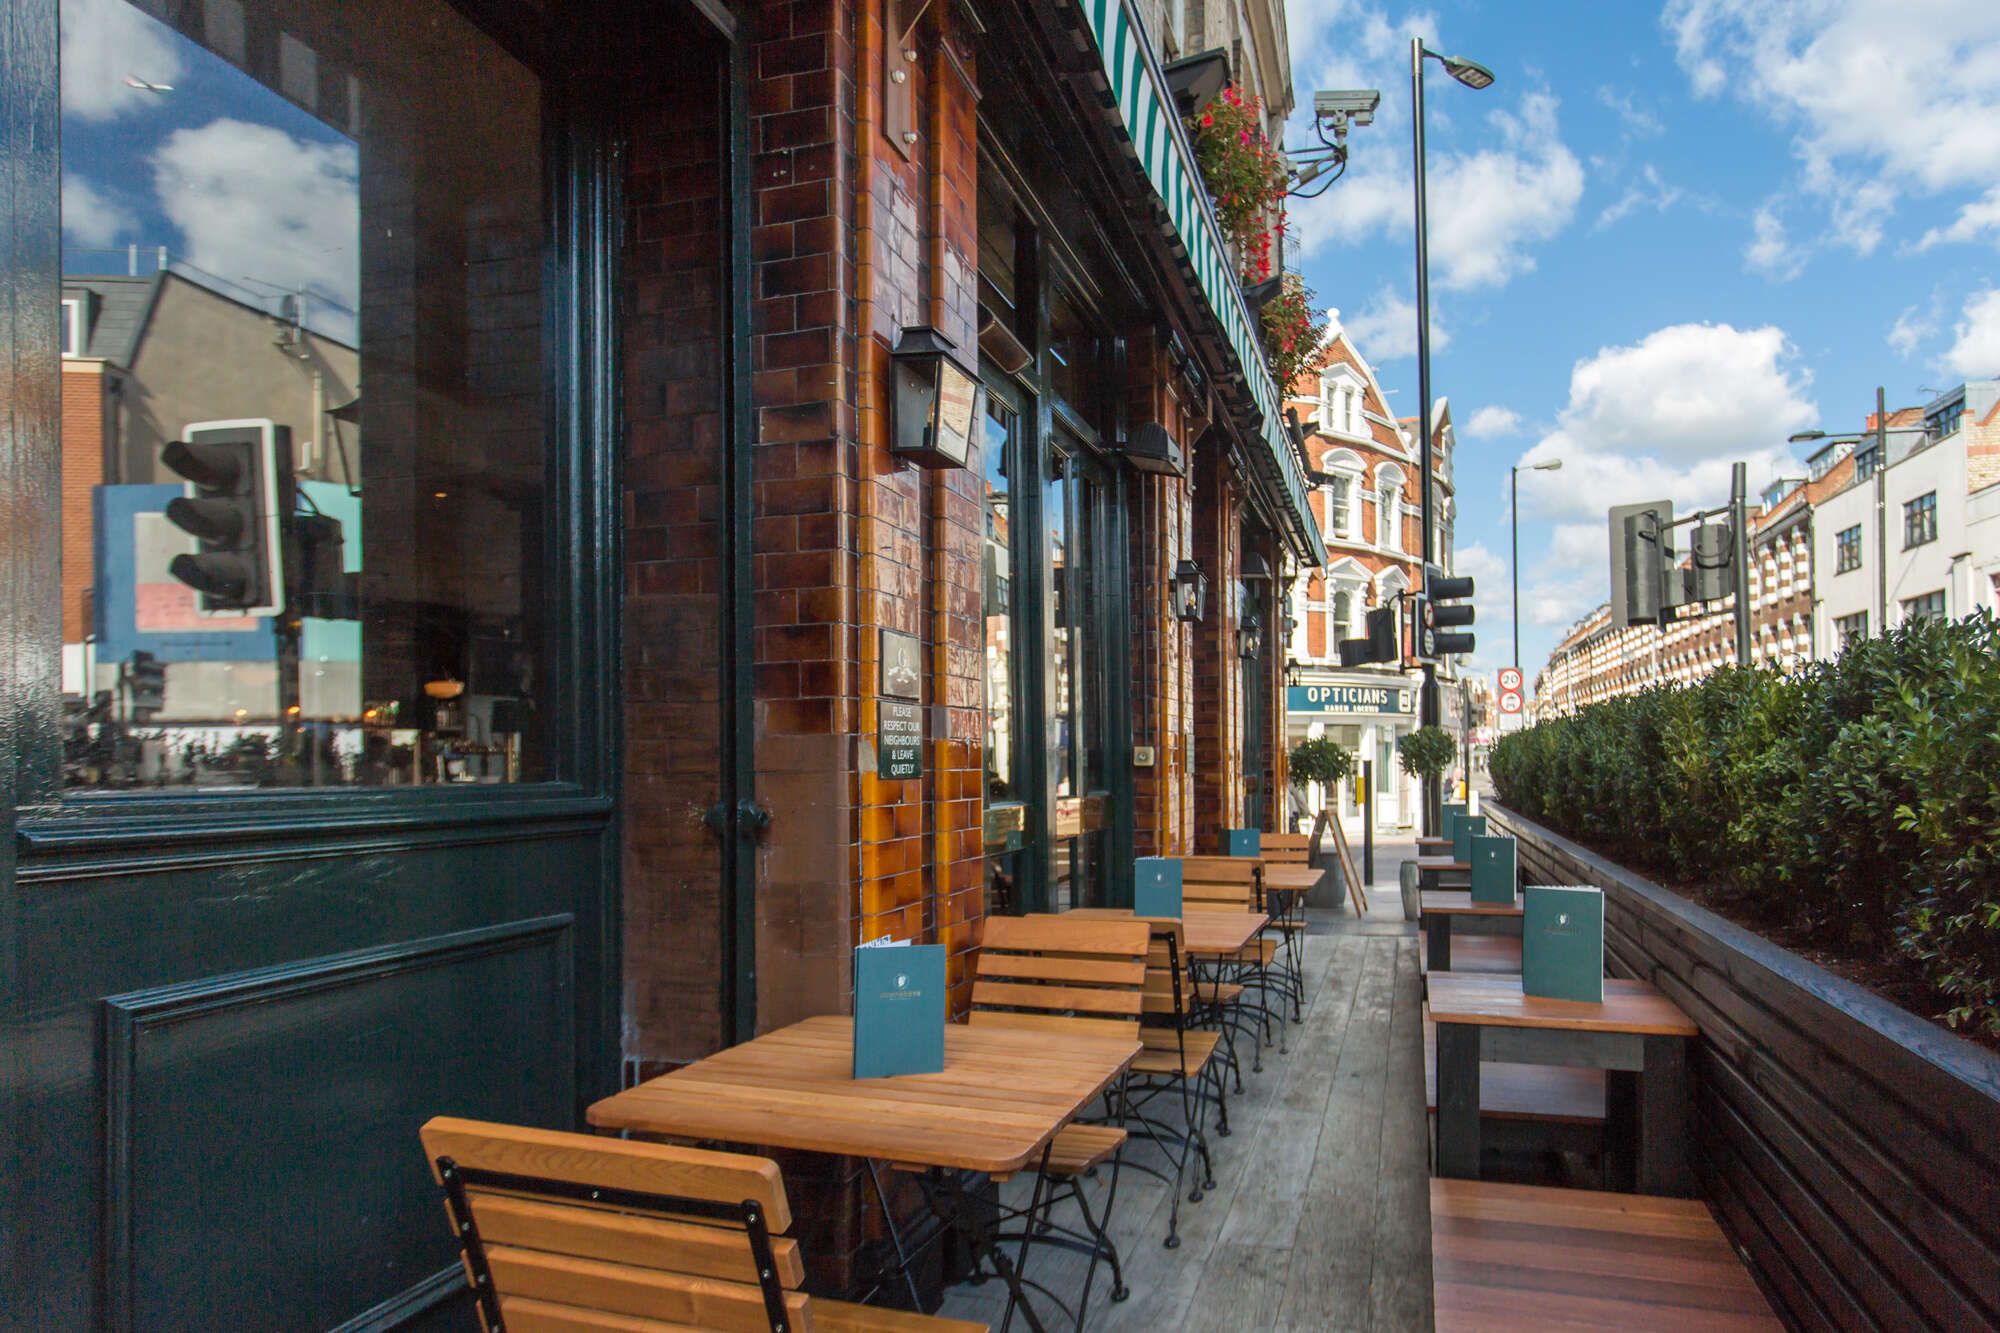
[310, 691]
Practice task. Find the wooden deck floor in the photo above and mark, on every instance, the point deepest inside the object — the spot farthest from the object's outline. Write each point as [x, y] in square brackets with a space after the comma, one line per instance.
[1320, 1218]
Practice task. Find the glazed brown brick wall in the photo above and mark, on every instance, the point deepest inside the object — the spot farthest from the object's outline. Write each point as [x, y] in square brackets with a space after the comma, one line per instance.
[672, 511]
[1217, 670]
[1159, 519]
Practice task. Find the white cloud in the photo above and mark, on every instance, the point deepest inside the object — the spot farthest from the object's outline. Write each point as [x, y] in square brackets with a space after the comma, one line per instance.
[1978, 220]
[102, 42]
[1771, 251]
[1493, 420]
[1912, 327]
[1976, 353]
[1881, 97]
[1488, 207]
[1650, 192]
[1387, 329]
[256, 205]
[89, 219]
[1666, 416]
[1639, 123]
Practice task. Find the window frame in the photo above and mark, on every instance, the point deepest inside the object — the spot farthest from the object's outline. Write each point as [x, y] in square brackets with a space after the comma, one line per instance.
[1847, 550]
[1920, 522]
[1849, 628]
[580, 403]
[1925, 606]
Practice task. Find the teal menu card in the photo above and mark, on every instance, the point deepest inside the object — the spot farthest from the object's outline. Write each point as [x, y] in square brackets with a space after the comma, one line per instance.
[1156, 886]
[1492, 869]
[1562, 942]
[1448, 815]
[1463, 831]
[899, 1005]
[1243, 841]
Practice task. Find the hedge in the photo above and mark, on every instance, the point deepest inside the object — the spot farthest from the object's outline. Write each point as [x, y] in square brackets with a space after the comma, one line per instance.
[1855, 802]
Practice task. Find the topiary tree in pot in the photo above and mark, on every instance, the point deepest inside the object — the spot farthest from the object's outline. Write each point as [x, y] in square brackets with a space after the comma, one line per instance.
[1426, 753]
[1318, 759]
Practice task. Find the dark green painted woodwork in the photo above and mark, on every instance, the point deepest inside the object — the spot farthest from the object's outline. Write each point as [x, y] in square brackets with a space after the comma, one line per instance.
[222, 1019]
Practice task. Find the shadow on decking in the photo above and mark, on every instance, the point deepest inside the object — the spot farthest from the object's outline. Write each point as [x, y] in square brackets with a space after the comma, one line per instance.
[1320, 1218]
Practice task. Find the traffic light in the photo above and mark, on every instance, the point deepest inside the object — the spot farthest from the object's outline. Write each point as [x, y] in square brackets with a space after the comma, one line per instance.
[315, 558]
[145, 684]
[1382, 644]
[239, 484]
[1441, 614]
[1642, 556]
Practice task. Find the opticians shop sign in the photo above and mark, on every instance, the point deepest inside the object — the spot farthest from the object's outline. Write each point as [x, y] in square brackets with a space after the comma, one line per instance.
[1348, 699]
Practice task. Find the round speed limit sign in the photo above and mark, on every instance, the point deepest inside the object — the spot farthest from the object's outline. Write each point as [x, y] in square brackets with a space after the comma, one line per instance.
[1510, 678]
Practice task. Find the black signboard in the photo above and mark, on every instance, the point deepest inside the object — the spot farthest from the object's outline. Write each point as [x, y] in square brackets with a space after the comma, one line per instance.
[899, 741]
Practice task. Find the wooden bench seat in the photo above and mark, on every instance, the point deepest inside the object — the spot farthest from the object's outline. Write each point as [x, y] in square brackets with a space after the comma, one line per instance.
[1558, 1093]
[1475, 953]
[1532, 1258]
[1163, 1051]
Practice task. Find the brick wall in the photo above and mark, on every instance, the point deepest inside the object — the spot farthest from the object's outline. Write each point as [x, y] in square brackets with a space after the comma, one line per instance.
[84, 416]
[672, 512]
[1216, 669]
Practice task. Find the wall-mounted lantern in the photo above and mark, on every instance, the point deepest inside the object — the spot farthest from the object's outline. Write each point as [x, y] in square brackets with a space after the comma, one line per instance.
[1190, 592]
[937, 402]
[1249, 638]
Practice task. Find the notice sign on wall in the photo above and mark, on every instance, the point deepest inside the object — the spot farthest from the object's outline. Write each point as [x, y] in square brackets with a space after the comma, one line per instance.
[899, 740]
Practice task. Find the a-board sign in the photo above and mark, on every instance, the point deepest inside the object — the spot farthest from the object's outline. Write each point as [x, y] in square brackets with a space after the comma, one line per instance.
[899, 740]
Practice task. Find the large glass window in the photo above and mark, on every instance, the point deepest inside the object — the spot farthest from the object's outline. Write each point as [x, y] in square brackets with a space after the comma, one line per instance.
[303, 540]
[1851, 628]
[1930, 606]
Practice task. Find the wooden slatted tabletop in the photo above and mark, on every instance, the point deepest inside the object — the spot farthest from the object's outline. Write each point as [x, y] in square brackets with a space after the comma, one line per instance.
[1292, 878]
[1206, 932]
[1442, 863]
[1490, 999]
[1427, 840]
[1525, 1257]
[1003, 1094]
[1458, 902]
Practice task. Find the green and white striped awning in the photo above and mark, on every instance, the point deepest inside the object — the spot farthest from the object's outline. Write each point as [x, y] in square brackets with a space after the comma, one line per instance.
[1161, 145]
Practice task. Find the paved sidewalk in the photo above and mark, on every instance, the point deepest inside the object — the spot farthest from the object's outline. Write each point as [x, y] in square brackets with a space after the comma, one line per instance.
[1320, 1218]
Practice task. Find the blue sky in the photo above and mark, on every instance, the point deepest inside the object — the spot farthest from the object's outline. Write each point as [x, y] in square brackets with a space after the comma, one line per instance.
[229, 176]
[1668, 237]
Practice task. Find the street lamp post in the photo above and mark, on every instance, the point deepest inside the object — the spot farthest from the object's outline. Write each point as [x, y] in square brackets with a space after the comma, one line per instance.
[1881, 435]
[1476, 77]
[1514, 522]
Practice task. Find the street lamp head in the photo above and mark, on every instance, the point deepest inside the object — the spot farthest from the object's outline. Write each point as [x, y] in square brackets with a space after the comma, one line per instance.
[1800, 437]
[1468, 72]
[1553, 465]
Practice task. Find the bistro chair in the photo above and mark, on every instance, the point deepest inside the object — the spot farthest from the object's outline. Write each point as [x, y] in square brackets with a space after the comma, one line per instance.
[1057, 973]
[1288, 911]
[1229, 884]
[570, 1233]
[1179, 1060]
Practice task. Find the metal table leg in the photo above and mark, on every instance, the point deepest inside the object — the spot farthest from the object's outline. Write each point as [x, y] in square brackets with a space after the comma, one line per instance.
[1437, 936]
[1663, 1119]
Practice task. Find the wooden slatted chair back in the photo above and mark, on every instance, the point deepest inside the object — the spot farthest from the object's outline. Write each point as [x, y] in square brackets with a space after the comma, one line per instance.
[1286, 848]
[1076, 974]
[577, 1232]
[1218, 883]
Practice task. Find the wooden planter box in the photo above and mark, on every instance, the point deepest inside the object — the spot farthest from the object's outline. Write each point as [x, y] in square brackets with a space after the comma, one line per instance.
[1851, 1149]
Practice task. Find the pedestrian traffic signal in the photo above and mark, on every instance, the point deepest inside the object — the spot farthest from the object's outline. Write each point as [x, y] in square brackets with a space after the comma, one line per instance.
[1442, 611]
[1383, 643]
[1641, 556]
[239, 487]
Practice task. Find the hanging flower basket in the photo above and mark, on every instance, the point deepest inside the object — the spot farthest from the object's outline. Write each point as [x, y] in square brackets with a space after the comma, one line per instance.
[1245, 175]
[1294, 328]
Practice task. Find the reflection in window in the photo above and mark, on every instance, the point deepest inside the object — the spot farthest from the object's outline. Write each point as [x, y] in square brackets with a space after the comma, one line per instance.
[998, 559]
[322, 224]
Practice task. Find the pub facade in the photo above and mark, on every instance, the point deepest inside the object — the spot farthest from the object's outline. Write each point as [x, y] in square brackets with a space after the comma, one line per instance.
[493, 607]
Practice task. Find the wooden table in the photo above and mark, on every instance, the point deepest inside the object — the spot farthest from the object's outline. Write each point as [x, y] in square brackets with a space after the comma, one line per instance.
[1431, 844]
[1431, 870]
[1637, 1035]
[1292, 878]
[994, 1109]
[1445, 911]
[1207, 934]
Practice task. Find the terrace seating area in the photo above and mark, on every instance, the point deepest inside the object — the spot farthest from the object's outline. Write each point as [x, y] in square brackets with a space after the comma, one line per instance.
[1202, 1121]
